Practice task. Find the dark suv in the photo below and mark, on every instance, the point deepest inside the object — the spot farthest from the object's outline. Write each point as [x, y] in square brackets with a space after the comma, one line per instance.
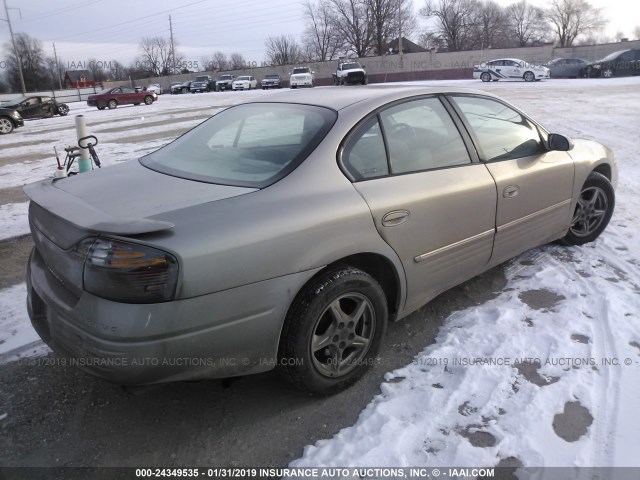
[616, 64]
[203, 83]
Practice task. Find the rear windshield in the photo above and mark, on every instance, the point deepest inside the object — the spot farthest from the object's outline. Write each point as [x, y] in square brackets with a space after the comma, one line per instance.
[248, 145]
[301, 70]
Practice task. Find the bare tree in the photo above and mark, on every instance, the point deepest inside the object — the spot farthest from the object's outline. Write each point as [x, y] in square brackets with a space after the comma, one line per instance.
[428, 39]
[321, 37]
[572, 18]
[237, 61]
[526, 23]
[386, 16]
[352, 20]
[220, 61]
[156, 56]
[283, 50]
[455, 21]
[32, 59]
[118, 71]
[489, 26]
[96, 69]
[55, 71]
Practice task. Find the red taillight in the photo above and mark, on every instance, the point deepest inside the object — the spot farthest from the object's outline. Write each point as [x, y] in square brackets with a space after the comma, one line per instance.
[130, 273]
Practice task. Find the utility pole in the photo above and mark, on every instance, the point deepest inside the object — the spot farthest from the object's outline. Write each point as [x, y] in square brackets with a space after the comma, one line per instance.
[400, 28]
[55, 57]
[173, 52]
[15, 50]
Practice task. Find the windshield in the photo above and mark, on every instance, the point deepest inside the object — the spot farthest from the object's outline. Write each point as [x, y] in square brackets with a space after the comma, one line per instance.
[225, 77]
[242, 78]
[201, 79]
[351, 66]
[249, 145]
[300, 70]
[271, 76]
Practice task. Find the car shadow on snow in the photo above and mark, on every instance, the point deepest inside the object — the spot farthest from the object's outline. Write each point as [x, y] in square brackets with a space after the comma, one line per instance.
[255, 420]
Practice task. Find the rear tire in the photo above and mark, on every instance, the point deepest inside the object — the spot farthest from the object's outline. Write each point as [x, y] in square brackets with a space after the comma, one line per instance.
[593, 210]
[333, 330]
[607, 72]
[112, 104]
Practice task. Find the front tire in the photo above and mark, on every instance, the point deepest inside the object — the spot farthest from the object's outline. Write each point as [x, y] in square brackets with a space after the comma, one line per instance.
[6, 126]
[63, 109]
[148, 100]
[529, 77]
[485, 77]
[593, 210]
[607, 72]
[333, 330]
[112, 104]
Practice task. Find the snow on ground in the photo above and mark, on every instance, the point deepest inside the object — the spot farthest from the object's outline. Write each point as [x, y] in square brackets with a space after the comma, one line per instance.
[564, 317]
[502, 379]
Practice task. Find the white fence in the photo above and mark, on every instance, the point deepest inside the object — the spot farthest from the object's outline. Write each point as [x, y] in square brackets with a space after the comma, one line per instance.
[65, 96]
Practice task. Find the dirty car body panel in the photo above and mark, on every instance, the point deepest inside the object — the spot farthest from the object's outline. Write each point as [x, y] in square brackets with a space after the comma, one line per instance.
[401, 183]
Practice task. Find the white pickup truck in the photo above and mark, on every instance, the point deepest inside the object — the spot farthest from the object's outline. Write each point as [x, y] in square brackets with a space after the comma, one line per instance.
[351, 72]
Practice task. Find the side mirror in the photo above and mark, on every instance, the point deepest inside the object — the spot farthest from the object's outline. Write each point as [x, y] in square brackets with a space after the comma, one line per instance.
[559, 142]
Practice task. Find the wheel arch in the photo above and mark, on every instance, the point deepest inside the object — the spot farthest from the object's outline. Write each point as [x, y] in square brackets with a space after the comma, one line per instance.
[379, 267]
[604, 169]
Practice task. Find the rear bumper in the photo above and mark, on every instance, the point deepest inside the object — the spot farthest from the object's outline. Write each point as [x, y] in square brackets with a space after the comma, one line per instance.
[212, 336]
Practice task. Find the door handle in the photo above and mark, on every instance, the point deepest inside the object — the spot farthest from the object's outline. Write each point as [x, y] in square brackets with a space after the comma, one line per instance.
[511, 191]
[395, 218]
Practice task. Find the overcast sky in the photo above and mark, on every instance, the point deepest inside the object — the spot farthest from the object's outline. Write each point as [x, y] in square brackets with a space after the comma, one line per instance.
[111, 30]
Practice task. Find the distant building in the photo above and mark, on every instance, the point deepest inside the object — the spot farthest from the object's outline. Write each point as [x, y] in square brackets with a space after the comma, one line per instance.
[408, 46]
[78, 79]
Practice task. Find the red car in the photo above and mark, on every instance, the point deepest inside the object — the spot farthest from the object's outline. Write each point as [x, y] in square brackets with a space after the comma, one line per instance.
[115, 96]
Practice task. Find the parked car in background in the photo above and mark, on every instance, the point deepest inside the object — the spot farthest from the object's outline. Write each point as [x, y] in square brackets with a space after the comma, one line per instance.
[196, 258]
[202, 83]
[302, 77]
[224, 82]
[350, 73]
[10, 119]
[617, 64]
[36, 106]
[509, 69]
[271, 80]
[567, 67]
[244, 82]
[155, 88]
[176, 87]
[115, 96]
[185, 87]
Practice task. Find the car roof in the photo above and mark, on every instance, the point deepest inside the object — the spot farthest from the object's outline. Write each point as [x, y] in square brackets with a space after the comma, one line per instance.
[512, 59]
[339, 98]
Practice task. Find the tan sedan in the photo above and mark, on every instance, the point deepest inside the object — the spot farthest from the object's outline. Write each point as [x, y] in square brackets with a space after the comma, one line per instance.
[287, 232]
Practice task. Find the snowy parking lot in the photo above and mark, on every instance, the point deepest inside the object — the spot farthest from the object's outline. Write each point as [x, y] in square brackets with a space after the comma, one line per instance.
[543, 374]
